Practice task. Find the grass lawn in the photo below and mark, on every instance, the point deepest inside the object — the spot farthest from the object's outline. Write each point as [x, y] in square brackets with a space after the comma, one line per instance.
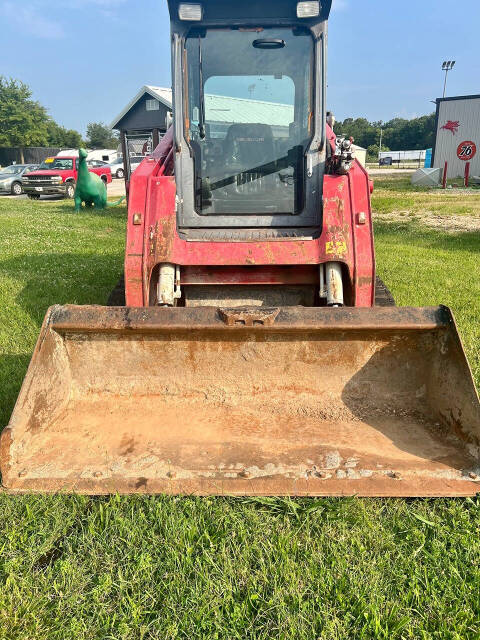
[396, 194]
[167, 567]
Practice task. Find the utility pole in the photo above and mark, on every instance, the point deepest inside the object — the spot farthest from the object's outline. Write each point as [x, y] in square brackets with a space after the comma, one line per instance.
[447, 66]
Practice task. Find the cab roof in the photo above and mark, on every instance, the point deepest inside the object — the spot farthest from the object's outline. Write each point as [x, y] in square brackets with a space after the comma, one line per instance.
[249, 11]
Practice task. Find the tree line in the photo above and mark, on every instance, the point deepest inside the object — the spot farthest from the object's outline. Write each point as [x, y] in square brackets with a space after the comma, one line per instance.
[398, 134]
[24, 122]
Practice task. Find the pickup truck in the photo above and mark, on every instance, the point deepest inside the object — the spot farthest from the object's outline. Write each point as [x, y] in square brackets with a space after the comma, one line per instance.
[58, 176]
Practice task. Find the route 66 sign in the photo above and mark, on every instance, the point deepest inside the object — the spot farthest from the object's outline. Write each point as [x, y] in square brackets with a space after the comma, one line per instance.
[466, 150]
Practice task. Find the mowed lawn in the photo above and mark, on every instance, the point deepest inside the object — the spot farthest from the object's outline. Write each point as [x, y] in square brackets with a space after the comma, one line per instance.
[396, 194]
[161, 567]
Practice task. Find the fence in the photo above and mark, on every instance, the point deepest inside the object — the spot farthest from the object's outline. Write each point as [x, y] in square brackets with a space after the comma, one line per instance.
[26, 155]
[402, 159]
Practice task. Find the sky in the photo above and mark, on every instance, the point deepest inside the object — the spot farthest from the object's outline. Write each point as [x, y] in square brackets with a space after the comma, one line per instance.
[85, 59]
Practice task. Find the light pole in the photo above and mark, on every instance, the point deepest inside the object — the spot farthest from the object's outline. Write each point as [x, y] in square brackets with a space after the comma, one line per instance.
[447, 66]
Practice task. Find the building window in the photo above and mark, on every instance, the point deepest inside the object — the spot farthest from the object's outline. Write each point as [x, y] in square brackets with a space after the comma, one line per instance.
[153, 105]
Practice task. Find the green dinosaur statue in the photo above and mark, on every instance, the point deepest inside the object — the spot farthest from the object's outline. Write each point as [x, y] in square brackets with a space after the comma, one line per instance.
[90, 188]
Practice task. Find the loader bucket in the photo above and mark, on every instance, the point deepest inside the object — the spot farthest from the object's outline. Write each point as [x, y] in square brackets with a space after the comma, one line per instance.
[289, 401]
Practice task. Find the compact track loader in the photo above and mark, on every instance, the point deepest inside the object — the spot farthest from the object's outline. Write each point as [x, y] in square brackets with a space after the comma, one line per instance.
[250, 358]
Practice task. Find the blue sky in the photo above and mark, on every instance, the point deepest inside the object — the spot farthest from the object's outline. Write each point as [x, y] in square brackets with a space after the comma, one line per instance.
[85, 59]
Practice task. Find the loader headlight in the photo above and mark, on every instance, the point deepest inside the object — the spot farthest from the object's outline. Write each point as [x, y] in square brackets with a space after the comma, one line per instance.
[187, 11]
[309, 9]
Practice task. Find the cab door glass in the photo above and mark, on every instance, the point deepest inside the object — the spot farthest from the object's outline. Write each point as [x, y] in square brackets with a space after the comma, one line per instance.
[249, 118]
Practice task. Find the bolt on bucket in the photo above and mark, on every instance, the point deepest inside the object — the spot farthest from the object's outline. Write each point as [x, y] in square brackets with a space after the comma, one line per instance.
[288, 401]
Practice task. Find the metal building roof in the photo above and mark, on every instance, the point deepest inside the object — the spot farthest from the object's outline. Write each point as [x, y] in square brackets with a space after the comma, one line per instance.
[223, 108]
[162, 94]
[227, 109]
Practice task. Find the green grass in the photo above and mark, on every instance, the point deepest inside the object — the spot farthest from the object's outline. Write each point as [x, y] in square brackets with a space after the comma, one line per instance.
[49, 255]
[424, 267]
[163, 567]
[394, 194]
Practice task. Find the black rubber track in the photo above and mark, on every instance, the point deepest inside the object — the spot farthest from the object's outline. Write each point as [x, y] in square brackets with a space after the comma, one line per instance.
[383, 296]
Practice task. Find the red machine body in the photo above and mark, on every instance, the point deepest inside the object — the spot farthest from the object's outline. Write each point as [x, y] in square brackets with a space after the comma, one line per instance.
[152, 238]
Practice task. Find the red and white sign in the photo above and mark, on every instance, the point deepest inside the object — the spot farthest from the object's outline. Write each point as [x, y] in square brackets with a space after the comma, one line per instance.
[466, 150]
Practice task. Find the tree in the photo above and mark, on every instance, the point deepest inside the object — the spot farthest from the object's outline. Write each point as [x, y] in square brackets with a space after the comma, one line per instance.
[417, 133]
[99, 136]
[398, 134]
[59, 136]
[373, 150]
[23, 122]
[363, 131]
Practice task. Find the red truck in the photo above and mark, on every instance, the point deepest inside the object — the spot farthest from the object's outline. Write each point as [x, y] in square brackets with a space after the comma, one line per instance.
[58, 176]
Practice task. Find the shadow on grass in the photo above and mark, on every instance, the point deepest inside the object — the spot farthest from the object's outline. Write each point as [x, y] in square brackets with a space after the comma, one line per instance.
[400, 184]
[63, 278]
[413, 232]
[62, 206]
[51, 279]
[12, 371]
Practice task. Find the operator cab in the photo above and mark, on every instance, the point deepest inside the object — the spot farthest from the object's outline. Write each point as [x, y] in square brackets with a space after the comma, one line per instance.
[249, 118]
[249, 113]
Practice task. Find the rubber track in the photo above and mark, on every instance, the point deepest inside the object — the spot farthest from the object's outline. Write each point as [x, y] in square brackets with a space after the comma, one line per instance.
[383, 295]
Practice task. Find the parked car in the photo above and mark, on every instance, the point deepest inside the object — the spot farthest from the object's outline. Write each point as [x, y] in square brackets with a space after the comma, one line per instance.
[94, 164]
[58, 176]
[135, 161]
[11, 178]
[117, 168]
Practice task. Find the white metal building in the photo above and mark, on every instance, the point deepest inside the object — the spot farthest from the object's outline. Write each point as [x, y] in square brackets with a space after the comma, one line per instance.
[457, 138]
[403, 156]
[106, 155]
[360, 155]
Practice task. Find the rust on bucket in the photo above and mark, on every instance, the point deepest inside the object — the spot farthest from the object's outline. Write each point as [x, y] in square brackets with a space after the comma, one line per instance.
[303, 401]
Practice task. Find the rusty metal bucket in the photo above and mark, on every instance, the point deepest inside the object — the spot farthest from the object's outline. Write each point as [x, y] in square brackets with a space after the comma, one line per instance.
[297, 401]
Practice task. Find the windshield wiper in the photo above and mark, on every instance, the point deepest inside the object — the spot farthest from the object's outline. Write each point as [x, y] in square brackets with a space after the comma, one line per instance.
[201, 117]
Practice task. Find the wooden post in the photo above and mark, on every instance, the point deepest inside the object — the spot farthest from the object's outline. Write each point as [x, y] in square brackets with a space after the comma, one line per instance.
[467, 173]
[445, 169]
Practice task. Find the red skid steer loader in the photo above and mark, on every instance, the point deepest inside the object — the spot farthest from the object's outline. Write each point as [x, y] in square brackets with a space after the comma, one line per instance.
[250, 358]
